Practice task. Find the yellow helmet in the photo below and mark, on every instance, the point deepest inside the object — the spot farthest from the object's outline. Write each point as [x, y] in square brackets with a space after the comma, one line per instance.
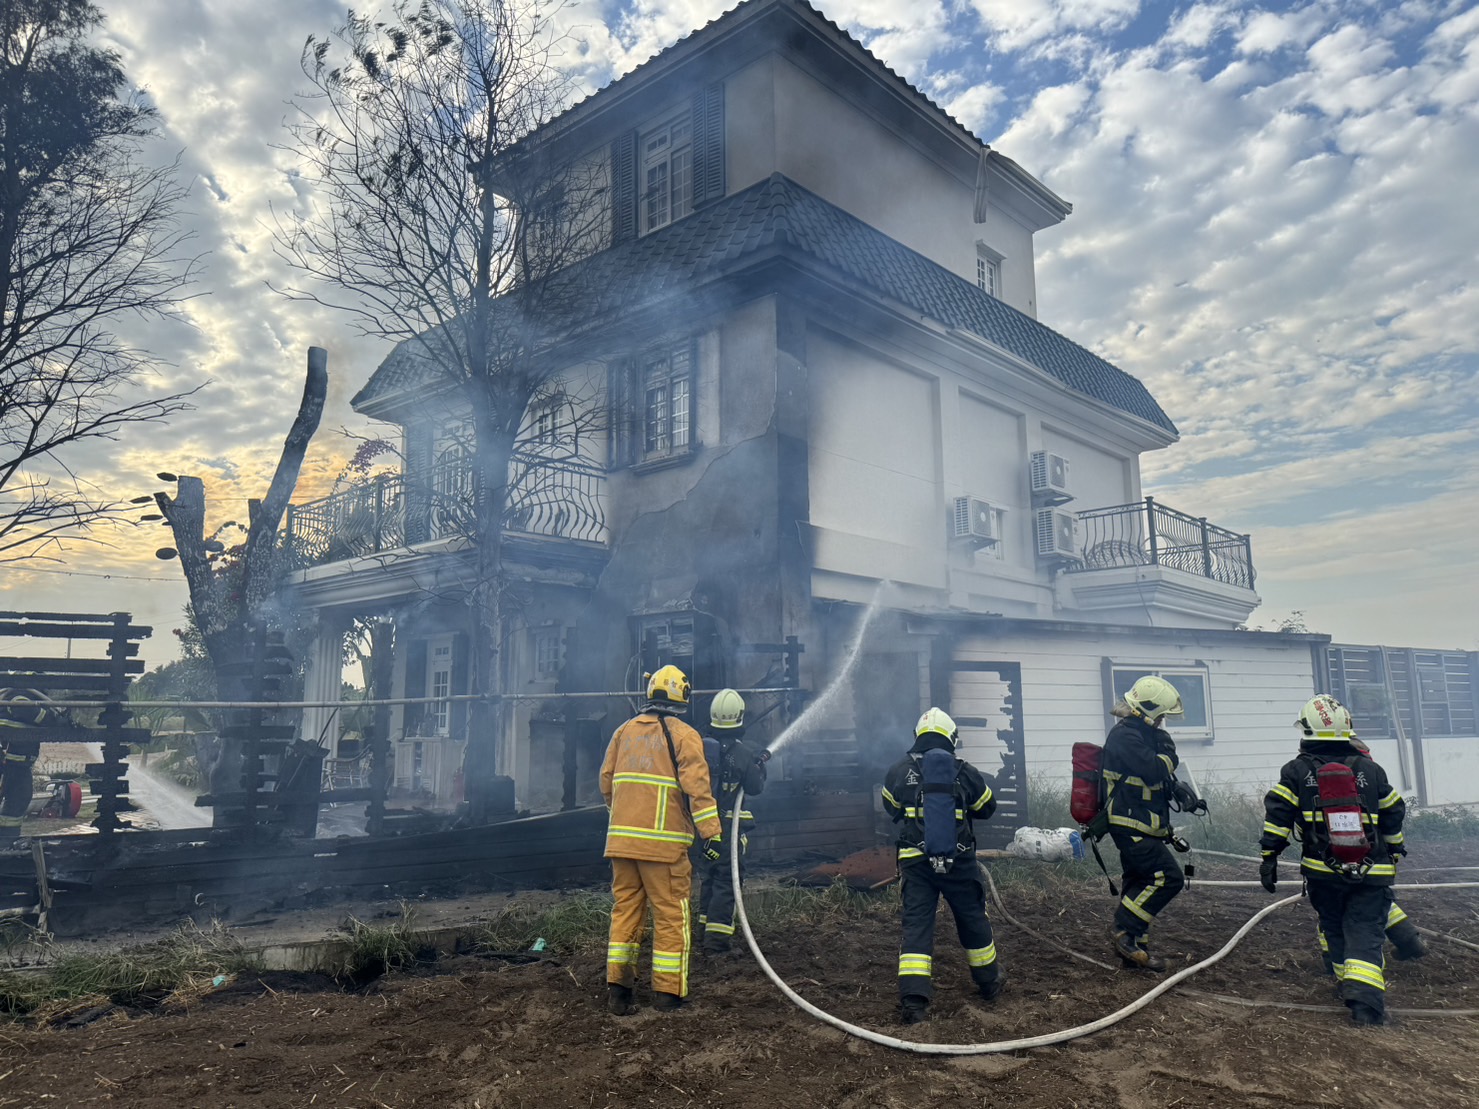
[668, 684]
[1153, 697]
[728, 710]
[938, 721]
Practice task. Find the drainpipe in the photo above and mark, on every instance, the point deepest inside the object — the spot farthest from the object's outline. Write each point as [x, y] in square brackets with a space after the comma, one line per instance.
[1155, 558]
[1403, 759]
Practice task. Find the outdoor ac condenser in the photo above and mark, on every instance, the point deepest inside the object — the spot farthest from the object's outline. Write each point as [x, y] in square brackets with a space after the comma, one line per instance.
[973, 519]
[1055, 538]
[1049, 474]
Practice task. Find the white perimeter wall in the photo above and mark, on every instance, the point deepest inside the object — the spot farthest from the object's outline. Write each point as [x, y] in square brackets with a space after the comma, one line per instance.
[1452, 767]
[1256, 692]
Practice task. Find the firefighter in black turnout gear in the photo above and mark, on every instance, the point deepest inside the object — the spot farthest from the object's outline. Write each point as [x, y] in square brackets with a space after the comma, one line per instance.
[732, 763]
[934, 797]
[1350, 822]
[1402, 934]
[1140, 782]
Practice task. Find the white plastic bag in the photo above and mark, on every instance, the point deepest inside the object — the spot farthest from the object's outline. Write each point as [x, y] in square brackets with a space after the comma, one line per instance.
[1048, 844]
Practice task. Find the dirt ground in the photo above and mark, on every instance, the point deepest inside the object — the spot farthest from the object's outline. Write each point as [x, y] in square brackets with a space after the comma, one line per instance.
[475, 1033]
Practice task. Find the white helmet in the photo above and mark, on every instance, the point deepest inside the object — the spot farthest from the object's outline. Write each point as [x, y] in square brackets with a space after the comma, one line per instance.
[1153, 697]
[938, 721]
[727, 710]
[1324, 717]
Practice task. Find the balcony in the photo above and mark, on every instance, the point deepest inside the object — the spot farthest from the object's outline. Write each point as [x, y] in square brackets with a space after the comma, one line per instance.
[1136, 557]
[553, 499]
[1150, 534]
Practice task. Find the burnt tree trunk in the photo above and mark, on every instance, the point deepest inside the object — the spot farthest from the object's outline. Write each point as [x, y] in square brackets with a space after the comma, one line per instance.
[223, 615]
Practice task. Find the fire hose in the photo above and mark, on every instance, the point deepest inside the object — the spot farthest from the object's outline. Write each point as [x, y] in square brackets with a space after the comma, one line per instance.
[1021, 1044]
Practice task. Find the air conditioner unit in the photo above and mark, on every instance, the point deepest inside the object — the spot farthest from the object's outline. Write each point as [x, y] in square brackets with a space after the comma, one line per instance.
[1055, 538]
[973, 519]
[1049, 473]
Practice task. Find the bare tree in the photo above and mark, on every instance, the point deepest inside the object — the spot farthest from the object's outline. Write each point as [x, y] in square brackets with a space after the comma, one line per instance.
[88, 239]
[439, 230]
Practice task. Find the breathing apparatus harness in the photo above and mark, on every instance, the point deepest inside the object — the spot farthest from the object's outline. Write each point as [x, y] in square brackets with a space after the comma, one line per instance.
[938, 804]
[1347, 838]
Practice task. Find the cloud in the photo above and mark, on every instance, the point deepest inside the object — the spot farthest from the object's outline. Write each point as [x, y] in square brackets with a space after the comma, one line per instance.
[1269, 230]
[1019, 24]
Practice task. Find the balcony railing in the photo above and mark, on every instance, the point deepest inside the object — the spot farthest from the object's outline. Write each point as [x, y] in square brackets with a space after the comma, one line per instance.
[1150, 534]
[559, 499]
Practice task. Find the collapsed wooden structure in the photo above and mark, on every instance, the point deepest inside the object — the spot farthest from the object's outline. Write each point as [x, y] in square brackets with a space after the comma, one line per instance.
[262, 855]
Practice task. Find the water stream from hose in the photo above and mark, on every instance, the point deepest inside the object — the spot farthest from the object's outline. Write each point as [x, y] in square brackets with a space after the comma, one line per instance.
[826, 701]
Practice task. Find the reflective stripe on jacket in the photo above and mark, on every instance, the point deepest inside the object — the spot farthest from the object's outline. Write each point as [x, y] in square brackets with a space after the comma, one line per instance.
[733, 763]
[1293, 801]
[902, 800]
[645, 798]
[1139, 764]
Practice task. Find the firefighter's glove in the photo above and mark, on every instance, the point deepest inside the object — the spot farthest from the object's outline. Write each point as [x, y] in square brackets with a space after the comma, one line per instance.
[1397, 851]
[1268, 872]
[711, 850]
[1186, 798]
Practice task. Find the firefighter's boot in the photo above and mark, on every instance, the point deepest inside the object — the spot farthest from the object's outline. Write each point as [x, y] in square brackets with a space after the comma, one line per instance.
[1366, 1016]
[990, 991]
[618, 999]
[1133, 952]
[914, 1009]
[666, 1002]
[1409, 943]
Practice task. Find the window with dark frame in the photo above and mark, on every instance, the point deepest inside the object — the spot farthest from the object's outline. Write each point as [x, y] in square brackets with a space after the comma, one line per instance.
[653, 393]
[670, 168]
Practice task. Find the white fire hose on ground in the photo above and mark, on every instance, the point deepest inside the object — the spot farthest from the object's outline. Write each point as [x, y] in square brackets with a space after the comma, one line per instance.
[1051, 1038]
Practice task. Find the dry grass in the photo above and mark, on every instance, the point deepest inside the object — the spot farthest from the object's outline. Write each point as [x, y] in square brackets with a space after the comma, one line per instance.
[176, 969]
[375, 949]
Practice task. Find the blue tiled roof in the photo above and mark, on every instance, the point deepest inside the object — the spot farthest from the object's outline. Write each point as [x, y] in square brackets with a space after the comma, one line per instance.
[779, 216]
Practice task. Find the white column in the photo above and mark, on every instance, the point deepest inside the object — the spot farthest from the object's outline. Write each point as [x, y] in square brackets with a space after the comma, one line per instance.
[323, 681]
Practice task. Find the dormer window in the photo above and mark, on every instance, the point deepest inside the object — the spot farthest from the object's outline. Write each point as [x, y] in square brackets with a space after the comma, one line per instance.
[988, 270]
[666, 172]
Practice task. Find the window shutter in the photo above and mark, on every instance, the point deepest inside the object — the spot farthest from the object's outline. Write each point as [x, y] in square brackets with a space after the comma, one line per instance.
[460, 660]
[708, 145]
[415, 684]
[624, 414]
[418, 482]
[624, 188]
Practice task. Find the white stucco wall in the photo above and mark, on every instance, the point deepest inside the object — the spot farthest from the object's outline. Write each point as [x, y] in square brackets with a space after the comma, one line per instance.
[781, 119]
[874, 465]
[894, 442]
[1097, 476]
[1256, 688]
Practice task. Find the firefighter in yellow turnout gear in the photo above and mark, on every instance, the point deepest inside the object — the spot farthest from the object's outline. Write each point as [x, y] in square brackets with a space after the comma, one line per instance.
[656, 785]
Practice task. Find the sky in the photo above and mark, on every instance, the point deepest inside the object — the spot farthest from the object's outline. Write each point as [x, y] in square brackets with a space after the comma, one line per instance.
[1273, 228]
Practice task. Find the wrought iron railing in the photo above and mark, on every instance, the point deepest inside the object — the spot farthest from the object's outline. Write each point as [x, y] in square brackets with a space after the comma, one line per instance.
[1150, 534]
[555, 498]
